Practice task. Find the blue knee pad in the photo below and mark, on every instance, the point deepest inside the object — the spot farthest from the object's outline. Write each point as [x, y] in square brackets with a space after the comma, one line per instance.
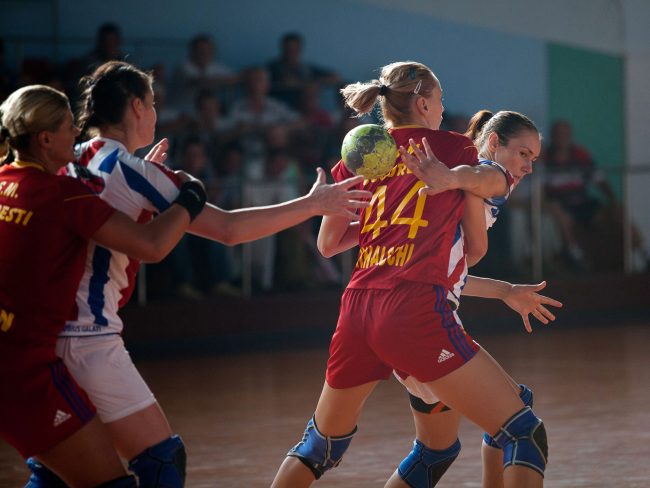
[424, 467]
[162, 465]
[318, 452]
[42, 477]
[526, 395]
[523, 440]
[123, 482]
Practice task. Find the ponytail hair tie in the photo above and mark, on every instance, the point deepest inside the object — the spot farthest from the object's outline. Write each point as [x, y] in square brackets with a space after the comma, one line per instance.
[383, 90]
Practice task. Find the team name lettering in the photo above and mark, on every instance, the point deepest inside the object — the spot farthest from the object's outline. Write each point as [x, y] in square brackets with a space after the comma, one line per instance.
[382, 256]
[8, 189]
[6, 319]
[15, 215]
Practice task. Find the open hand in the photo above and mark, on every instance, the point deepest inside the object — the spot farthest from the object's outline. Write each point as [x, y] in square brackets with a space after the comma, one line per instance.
[525, 300]
[338, 198]
[158, 153]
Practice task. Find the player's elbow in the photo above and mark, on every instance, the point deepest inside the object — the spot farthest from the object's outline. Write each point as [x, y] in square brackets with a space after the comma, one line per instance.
[325, 246]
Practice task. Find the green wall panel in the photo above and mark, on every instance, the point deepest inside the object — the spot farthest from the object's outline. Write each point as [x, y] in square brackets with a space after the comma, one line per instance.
[586, 88]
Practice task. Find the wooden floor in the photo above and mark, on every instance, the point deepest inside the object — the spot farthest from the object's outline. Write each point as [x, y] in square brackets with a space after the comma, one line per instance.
[240, 414]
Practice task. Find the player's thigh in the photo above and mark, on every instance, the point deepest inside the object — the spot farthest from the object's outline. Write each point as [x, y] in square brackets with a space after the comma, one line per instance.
[479, 391]
[339, 409]
[86, 458]
[103, 368]
[139, 431]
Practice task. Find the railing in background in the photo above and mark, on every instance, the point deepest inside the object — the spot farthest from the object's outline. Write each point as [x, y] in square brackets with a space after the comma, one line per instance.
[536, 213]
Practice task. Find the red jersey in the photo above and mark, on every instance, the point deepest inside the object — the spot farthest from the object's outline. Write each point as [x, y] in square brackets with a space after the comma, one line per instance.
[405, 236]
[45, 224]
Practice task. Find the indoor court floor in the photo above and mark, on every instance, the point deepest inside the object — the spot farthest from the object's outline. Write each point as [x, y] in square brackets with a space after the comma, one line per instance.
[239, 414]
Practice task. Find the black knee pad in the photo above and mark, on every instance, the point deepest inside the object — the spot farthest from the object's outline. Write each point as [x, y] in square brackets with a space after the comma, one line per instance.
[162, 465]
[421, 406]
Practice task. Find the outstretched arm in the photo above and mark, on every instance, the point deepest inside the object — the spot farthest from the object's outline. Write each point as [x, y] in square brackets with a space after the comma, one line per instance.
[483, 180]
[247, 224]
[523, 299]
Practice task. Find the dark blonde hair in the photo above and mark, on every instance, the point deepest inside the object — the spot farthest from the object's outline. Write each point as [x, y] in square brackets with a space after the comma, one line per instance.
[28, 111]
[398, 83]
[505, 124]
[107, 92]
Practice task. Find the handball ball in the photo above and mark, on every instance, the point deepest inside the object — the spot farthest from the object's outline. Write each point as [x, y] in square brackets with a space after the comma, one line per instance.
[369, 150]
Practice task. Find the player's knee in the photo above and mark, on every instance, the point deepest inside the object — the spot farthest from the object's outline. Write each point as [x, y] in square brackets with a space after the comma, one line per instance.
[419, 405]
[526, 395]
[42, 477]
[424, 467]
[123, 482]
[523, 440]
[162, 465]
[318, 452]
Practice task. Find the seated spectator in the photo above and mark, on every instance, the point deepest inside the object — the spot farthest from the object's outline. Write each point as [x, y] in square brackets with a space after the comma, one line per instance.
[290, 74]
[108, 47]
[571, 180]
[209, 122]
[256, 112]
[200, 266]
[202, 71]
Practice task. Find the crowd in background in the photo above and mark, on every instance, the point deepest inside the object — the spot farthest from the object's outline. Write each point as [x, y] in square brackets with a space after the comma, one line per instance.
[255, 137]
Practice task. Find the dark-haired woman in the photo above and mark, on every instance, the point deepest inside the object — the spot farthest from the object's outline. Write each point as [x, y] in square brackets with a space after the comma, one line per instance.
[395, 313]
[510, 142]
[117, 106]
[46, 223]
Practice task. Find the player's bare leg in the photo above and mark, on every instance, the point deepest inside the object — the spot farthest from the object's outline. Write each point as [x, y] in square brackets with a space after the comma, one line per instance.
[133, 434]
[466, 390]
[81, 467]
[336, 415]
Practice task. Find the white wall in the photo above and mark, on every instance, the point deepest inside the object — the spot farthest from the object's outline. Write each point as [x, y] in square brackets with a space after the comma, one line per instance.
[637, 85]
[592, 24]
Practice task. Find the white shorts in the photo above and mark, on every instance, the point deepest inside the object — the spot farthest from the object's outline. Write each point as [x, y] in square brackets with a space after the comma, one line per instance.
[103, 368]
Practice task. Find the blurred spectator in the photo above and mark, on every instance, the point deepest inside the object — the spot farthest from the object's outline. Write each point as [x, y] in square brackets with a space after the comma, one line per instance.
[230, 176]
[290, 74]
[202, 71]
[457, 122]
[170, 122]
[572, 183]
[199, 265]
[108, 47]
[209, 122]
[255, 113]
[310, 141]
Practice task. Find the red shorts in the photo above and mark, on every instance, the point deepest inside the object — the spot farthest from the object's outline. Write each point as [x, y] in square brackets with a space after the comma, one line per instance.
[411, 329]
[46, 405]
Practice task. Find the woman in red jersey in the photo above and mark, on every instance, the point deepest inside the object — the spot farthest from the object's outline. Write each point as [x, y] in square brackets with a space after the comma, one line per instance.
[395, 314]
[46, 222]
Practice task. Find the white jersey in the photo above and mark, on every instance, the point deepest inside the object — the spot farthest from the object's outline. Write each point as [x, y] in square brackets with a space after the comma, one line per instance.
[139, 189]
[492, 207]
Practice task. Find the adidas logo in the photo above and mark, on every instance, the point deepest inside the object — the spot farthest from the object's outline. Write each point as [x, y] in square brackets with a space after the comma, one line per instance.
[444, 355]
[60, 417]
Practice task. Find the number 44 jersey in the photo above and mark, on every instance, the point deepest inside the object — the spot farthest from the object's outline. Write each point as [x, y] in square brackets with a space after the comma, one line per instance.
[406, 236]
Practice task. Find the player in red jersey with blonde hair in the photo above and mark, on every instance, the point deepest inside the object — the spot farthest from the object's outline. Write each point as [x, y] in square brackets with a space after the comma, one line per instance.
[46, 222]
[395, 314]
